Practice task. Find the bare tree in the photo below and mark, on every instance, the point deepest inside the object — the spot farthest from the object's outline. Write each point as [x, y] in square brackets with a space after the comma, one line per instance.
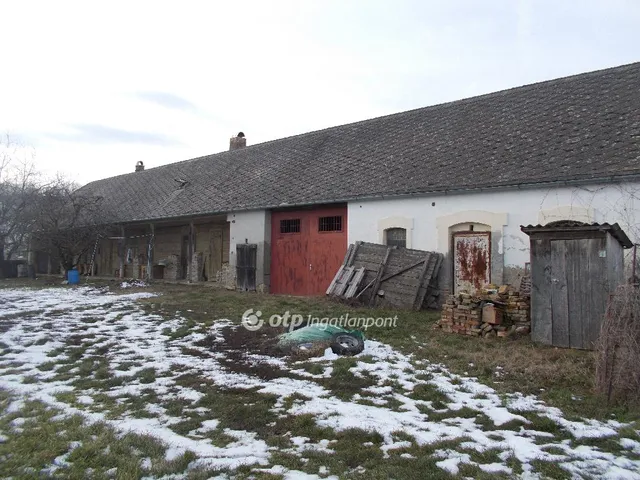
[68, 222]
[19, 182]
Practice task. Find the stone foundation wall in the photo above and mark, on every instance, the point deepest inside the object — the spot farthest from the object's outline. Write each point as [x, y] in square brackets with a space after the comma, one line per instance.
[172, 269]
[226, 276]
[196, 270]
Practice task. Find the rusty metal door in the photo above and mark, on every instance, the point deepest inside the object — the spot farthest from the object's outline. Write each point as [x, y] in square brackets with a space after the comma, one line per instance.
[471, 261]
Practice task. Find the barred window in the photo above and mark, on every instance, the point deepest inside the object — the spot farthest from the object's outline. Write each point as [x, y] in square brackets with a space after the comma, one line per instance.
[395, 237]
[290, 226]
[330, 224]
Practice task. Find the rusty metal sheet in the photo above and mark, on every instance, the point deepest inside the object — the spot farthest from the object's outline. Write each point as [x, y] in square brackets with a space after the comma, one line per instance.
[471, 260]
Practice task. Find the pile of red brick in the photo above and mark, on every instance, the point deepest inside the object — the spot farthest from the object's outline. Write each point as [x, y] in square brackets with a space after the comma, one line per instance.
[488, 314]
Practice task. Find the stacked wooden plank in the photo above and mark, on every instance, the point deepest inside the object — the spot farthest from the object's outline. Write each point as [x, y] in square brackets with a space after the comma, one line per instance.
[381, 275]
[487, 314]
[346, 282]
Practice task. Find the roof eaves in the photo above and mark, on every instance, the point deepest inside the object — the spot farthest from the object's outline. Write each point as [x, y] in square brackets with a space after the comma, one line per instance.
[614, 229]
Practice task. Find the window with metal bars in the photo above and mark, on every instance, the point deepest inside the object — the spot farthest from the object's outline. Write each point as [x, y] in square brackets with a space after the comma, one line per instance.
[290, 226]
[330, 224]
[396, 237]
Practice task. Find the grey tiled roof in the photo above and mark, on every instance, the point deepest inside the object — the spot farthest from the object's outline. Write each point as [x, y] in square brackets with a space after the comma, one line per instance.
[581, 128]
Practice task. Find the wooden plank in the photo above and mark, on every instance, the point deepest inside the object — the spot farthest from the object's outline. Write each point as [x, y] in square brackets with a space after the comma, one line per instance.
[402, 270]
[150, 252]
[191, 252]
[354, 253]
[425, 276]
[408, 294]
[597, 296]
[373, 267]
[405, 255]
[541, 291]
[355, 283]
[372, 248]
[426, 286]
[343, 282]
[334, 282]
[367, 286]
[400, 280]
[347, 255]
[122, 252]
[368, 257]
[216, 248]
[376, 284]
[559, 307]
[575, 287]
[615, 263]
[350, 256]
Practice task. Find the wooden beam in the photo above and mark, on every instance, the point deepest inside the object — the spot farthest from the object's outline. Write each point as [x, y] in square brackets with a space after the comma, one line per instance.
[422, 289]
[191, 251]
[355, 283]
[335, 280]
[376, 285]
[150, 252]
[352, 253]
[123, 245]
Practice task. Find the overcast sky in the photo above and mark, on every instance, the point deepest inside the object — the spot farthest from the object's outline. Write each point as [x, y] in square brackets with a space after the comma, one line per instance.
[95, 87]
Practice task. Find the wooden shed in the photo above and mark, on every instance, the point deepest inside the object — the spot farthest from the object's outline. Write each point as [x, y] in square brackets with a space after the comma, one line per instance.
[574, 269]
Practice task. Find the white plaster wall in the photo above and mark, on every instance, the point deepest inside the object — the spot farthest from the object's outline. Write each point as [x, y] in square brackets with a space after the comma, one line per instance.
[597, 203]
[252, 227]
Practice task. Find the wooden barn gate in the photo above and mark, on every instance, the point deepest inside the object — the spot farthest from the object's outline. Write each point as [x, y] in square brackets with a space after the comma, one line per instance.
[575, 267]
[307, 248]
[388, 276]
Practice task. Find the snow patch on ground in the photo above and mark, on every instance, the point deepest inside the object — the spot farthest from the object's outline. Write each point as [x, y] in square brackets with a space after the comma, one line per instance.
[139, 337]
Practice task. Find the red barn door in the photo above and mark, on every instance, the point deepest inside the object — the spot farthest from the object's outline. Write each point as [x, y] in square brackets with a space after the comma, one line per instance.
[307, 249]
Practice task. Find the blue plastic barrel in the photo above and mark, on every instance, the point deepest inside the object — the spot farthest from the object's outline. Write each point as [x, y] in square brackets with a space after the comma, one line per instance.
[73, 276]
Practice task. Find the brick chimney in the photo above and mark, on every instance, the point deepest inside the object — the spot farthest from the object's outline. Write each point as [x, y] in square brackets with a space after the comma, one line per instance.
[139, 167]
[239, 141]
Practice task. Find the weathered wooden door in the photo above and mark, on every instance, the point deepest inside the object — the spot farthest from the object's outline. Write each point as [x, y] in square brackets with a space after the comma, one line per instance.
[184, 256]
[246, 260]
[471, 260]
[289, 266]
[307, 249]
[216, 253]
[577, 305]
[327, 247]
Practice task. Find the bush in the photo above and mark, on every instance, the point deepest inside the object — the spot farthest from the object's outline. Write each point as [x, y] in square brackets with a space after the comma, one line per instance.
[618, 348]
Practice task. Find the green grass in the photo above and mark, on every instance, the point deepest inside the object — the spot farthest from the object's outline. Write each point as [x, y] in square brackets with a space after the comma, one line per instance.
[28, 453]
[557, 376]
[343, 383]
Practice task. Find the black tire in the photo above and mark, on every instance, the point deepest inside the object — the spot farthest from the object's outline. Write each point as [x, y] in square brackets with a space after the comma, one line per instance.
[346, 344]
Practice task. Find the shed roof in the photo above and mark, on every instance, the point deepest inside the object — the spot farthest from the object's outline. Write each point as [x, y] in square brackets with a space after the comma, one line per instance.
[583, 128]
[614, 229]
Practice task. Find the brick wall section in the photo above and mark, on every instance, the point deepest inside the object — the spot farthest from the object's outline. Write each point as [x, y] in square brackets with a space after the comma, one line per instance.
[487, 315]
